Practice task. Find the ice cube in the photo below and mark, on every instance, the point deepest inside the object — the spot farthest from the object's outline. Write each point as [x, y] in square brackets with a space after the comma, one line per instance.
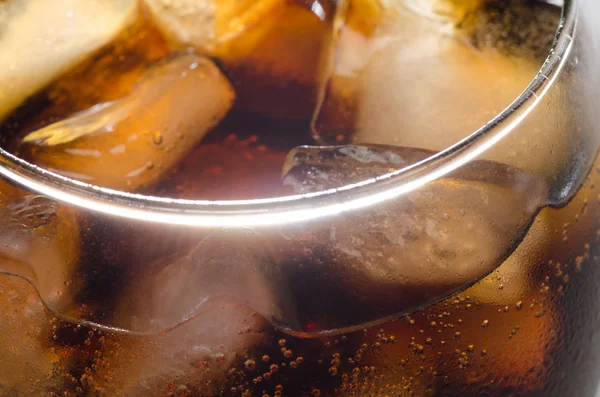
[195, 356]
[421, 81]
[200, 307]
[420, 247]
[129, 143]
[225, 268]
[41, 39]
[208, 24]
[39, 241]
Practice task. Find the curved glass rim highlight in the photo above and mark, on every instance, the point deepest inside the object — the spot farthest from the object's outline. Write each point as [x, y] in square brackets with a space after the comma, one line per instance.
[299, 208]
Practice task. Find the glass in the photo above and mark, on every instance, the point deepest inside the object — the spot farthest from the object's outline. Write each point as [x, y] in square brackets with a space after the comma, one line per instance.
[470, 271]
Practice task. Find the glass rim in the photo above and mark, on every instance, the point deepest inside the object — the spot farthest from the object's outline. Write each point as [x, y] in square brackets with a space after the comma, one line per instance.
[301, 207]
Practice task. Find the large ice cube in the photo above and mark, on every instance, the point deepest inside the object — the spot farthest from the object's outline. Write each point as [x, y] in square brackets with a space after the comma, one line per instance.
[419, 81]
[217, 287]
[418, 248]
[41, 39]
[129, 143]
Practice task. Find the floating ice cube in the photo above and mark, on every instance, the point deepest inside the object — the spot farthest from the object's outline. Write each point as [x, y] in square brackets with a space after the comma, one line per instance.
[129, 143]
[41, 39]
[206, 24]
[419, 78]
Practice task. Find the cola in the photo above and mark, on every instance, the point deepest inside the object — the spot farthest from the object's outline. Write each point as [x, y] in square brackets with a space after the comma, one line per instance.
[480, 281]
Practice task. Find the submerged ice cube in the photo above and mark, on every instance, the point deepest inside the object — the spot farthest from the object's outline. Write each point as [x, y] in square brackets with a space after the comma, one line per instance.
[129, 143]
[39, 241]
[196, 356]
[419, 248]
[280, 73]
[41, 39]
[226, 267]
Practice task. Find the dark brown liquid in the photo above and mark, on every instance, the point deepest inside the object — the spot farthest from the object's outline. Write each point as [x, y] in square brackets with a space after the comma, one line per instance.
[528, 329]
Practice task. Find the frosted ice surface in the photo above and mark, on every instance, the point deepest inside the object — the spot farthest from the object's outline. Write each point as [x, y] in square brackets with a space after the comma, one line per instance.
[41, 39]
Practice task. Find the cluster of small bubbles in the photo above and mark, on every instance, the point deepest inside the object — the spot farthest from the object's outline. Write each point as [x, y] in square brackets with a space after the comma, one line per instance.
[463, 360]
[278, 391]
[287, 353]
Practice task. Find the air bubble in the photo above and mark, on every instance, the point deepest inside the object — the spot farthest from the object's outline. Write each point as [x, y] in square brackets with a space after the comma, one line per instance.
[250, 364]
